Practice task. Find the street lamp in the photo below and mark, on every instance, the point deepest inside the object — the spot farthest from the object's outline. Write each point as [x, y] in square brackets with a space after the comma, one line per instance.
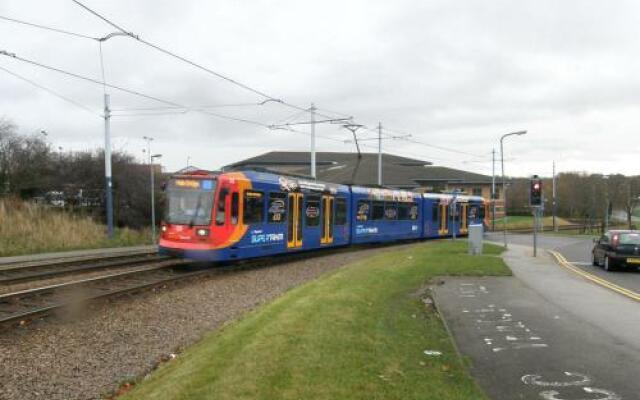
[107, 137]
[153, 199]
[504, 185]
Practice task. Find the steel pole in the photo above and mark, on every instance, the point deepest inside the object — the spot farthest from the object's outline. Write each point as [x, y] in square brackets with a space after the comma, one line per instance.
[606, 210]
[553, 193]
[536, 216]
[379, 154]
[153, 200]
[107, 165]
[493, 189]
[312, 110]
[504, 194]
[453, 218]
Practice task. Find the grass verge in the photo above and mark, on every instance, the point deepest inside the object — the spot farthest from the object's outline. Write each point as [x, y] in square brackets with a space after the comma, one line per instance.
[526, 221]
[358, 333]
[27, 228]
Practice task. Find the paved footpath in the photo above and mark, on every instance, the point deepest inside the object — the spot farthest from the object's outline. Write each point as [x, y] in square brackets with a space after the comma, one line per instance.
[545, 333]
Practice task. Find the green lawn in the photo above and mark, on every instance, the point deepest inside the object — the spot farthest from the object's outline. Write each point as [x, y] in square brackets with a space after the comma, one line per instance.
[526, 221]
[358, 333]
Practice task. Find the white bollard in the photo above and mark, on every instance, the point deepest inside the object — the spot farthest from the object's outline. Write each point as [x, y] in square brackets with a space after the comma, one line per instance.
[476, 232]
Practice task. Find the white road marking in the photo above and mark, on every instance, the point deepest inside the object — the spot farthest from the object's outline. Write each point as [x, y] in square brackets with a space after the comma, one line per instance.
[537, 380]
[553, 394]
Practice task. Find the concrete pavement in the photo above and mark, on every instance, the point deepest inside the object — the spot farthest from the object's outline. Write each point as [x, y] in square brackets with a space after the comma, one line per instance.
[544, 333]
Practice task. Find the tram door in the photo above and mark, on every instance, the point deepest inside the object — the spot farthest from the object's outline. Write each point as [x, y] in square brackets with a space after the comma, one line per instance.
[444, 219]
[294, 220]
[327, 220]
[464, 221]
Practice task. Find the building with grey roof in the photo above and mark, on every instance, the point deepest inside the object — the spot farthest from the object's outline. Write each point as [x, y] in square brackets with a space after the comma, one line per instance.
[348, 168]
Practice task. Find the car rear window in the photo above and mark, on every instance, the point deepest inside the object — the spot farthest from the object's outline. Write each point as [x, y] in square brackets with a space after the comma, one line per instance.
[630, 238]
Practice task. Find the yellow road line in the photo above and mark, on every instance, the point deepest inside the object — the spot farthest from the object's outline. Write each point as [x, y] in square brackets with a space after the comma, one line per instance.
[596, 279]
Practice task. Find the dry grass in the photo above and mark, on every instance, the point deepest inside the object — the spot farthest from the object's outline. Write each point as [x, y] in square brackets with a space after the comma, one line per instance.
[27, 228]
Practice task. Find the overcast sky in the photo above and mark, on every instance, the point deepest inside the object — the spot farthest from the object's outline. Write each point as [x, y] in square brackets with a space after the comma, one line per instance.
[456, 75]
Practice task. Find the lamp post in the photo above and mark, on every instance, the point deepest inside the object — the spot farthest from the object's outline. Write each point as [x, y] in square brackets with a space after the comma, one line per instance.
[107, 137]
[153, 199]
[504, 185]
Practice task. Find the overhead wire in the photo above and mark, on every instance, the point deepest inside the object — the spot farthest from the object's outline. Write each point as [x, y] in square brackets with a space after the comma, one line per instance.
[50, 91]
[129, 91]
[178, 108]
[173, 105]
[193, 63]
[268, 98]
[415, 141]
[48, 28]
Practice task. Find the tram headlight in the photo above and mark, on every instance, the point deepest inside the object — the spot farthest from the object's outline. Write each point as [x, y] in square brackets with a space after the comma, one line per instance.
[164, 228]
[202, 232]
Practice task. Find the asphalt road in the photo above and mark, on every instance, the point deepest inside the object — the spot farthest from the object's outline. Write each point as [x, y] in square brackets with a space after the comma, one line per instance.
[546, 333]
[524, 347]
[577, 250]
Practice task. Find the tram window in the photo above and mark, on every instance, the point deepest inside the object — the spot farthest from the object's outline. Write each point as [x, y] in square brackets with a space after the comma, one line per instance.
[481, 212]
[403, 211]
[363, 210]
[235, 200]
[222, 199]
[390, 211]
[454, 213]
[377, 210]
[276, 213]
[472, 213]
[435, 212]
[312, 211]
[413, 211]
[341, 211]
[253, 207]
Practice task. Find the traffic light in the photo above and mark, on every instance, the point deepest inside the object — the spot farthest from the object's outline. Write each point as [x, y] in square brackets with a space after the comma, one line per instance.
[535, 195]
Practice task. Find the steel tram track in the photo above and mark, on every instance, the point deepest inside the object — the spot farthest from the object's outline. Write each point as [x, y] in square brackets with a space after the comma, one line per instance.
[24, 272]
[29, 303]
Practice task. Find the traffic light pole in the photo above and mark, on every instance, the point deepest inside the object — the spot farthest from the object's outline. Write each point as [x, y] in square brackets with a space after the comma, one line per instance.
[536, 202]
[536, 222]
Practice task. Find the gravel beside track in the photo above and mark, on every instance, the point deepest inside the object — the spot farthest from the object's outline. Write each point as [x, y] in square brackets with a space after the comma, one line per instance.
[88, 358]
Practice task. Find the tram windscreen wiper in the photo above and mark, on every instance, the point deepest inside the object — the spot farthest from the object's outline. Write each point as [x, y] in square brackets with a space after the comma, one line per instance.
[195, 214]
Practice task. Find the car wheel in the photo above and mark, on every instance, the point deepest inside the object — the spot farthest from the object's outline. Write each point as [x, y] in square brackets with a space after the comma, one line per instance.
[594, 261]
[608, 264]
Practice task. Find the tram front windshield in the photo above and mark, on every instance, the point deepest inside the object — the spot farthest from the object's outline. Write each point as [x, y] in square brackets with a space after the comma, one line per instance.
[190, 201]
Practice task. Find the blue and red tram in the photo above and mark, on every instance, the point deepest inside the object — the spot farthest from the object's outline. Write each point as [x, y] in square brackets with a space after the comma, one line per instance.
[248, 214]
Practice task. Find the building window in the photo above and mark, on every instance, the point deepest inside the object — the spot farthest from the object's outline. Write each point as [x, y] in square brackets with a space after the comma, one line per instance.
[476, 191]
[253, 207]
